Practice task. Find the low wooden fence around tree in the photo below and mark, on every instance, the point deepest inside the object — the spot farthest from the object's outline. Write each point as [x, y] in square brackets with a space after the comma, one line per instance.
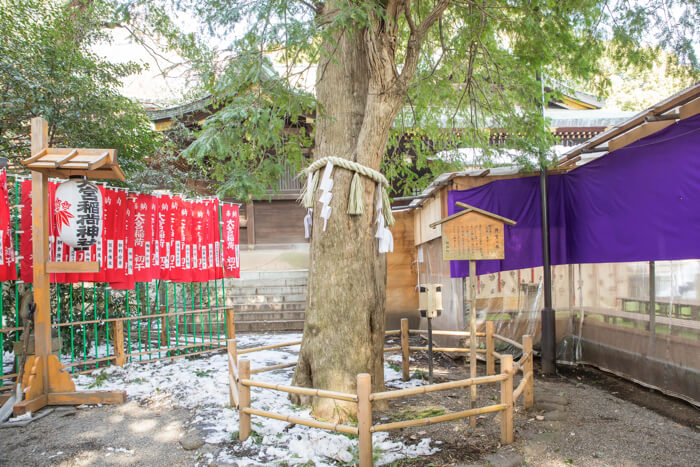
[240, 384]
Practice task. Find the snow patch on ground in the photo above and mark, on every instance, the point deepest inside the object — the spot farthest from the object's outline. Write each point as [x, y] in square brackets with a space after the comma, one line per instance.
[201, 384]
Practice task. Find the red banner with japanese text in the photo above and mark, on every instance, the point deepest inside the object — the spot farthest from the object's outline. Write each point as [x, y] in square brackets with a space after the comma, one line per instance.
[229, 227]
[125, 246]
[25, 233]
[7, 251]
[144, 238]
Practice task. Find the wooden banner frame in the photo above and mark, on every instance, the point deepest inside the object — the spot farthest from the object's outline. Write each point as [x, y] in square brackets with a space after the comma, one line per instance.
[44, 380]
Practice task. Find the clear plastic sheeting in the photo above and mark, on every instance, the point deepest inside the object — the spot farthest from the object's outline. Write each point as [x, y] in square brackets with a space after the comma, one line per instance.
[604, 314]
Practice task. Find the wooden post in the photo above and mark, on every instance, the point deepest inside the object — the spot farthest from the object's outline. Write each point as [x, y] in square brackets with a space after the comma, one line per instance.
[529, 397]
[404, 350]
[233, 356]
[507, 399]
[164, 327]
[250, 224]
[40, 248]
[364, 418]
[230, 324]
[244, 399]
[118, 341]
[472, 337]
[490, 358]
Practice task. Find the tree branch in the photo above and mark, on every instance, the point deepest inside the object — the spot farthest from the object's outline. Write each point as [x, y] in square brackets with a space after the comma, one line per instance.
[415, 42]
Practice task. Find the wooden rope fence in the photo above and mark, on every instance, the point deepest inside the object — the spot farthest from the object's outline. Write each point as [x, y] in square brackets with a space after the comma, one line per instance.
[240, 384]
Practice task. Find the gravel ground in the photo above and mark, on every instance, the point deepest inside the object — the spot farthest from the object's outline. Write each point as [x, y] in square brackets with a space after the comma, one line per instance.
[590, 427]
[128, 434]
[584, 424]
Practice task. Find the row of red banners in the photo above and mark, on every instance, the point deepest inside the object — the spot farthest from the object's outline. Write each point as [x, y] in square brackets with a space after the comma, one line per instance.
[144, 238]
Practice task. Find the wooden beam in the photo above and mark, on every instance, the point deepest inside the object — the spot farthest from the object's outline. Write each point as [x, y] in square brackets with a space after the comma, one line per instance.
[99, 162]
[118, 341]
[662, 107]
[71, 155]
[364, 419]
[660, 118]
[250, 227]
[595, 150]
[30, 405]
[641, 131]
[53, 267]
[38, 155]
[59, 378]
[690, 109]
[40, 248]
[507, 399]
[243, 400]
[86, 397]
[467, 208]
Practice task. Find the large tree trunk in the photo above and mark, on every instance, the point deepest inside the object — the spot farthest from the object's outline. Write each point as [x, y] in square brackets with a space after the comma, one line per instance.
[345, 308]
[359, 93]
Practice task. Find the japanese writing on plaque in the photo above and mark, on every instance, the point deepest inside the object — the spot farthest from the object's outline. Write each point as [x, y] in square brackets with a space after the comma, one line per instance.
[88, 212]
[472, 236]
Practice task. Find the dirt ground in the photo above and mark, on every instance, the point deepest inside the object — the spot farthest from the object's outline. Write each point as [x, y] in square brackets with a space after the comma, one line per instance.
[596, 420]
[604, 421]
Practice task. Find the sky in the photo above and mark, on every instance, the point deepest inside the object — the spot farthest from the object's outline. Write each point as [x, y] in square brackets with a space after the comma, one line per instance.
[153, 89]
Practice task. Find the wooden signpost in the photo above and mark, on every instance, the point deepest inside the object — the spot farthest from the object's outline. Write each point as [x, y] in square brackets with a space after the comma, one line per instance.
[44, 379]
[472, 234]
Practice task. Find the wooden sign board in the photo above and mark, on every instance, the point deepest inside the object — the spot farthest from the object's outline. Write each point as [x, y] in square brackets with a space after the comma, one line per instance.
[472, 236]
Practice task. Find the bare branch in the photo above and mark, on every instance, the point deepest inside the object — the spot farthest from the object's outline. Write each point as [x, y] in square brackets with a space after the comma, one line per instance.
[415, 42]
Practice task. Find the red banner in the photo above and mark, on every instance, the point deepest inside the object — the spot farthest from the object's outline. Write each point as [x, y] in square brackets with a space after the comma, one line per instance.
[144, 238]
[125, 245]
[229, 242]
[7, 251]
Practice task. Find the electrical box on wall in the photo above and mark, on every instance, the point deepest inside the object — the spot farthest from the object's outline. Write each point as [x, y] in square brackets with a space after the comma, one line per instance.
[430, 300]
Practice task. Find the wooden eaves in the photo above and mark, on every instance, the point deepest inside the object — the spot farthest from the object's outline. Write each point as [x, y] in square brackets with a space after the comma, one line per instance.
[683, 105]
[64, 162]
[468, 208]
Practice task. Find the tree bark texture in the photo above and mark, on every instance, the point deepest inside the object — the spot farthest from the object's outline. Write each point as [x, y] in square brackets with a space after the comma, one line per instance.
[359, 93]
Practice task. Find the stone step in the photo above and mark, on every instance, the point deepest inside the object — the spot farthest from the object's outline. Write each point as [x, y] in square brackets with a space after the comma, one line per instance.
[281, 325]
[271, 290]
[264, 275]
[281, 306]
[271, 282]
[259, 316]
[258, 299]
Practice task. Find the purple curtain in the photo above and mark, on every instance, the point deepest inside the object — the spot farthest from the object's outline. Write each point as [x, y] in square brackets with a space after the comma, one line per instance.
[639, 203]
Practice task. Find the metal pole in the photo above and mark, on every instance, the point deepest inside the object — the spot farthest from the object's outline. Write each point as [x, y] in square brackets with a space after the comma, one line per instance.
[652, 299]
[430, 350]
[548, 318]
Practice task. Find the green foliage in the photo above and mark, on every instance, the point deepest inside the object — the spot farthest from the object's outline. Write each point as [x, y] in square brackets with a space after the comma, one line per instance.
[258, 131]
[48, 69]
[637, 86]
[100, 379]
[478, 72]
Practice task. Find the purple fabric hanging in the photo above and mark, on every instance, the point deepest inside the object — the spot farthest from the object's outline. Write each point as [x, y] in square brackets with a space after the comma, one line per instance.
[639, 203]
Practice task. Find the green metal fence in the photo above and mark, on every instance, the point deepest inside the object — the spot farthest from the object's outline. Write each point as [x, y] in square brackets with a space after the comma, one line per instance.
[160, 319]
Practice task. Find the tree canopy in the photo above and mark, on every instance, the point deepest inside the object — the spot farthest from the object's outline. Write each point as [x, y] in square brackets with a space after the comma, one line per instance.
[474, 67]
[48, 69]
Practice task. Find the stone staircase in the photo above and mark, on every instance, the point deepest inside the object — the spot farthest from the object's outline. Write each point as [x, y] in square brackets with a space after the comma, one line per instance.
[268, 300]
